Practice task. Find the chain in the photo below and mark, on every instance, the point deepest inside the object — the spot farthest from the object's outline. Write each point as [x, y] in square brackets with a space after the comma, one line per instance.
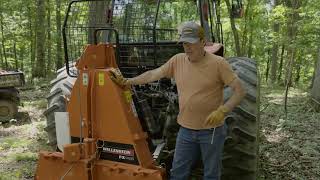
[97, 149]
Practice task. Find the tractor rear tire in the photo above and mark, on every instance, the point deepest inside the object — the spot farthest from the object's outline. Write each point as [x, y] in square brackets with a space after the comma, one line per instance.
[8, 110]
[240, 157]
[61, 88]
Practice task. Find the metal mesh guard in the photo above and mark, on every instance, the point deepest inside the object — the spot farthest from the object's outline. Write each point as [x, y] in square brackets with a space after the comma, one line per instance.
[145, 40]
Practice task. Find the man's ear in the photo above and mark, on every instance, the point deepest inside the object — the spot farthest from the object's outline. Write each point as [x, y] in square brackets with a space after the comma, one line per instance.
[203, 42]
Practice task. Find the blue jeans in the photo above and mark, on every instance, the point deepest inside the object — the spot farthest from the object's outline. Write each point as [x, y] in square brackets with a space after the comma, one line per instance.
[191, 144]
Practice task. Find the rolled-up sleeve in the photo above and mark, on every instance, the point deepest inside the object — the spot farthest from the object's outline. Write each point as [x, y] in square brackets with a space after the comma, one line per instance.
[167, 69]
[227, 75]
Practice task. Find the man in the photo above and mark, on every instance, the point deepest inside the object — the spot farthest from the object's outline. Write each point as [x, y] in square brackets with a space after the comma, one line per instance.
[200, 77]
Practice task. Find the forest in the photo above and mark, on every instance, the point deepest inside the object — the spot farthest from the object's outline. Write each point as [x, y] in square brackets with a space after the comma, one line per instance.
[282, 36]
[276, 34]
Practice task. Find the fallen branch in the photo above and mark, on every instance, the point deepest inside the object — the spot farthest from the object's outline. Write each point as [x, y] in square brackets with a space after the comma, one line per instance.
[278, 165]
[308, 159]
[264, 108]
[314, 100]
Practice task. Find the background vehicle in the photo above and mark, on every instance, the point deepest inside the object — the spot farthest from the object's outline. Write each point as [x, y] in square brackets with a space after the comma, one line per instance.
[147, 39]
[9, 94]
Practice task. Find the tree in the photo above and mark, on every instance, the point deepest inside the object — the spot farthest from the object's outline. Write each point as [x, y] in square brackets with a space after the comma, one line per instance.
[4, 53]
[59, 61]
[293, 17]
[292, 30]
[39, 70]
[234, 29]
[315, 92]
[49, 39]
[274, 54]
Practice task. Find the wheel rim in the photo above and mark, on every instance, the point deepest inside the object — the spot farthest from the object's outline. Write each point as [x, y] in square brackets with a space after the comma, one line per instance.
[4, 111]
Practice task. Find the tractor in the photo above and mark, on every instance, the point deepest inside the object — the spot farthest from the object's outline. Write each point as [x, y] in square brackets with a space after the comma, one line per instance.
[136, 36]
[9, 94]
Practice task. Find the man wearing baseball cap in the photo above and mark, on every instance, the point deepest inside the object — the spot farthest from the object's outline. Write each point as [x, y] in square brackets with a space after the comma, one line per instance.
[200, 77]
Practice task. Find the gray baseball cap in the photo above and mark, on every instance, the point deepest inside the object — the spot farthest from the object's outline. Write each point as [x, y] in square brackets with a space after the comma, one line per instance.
[190, 32]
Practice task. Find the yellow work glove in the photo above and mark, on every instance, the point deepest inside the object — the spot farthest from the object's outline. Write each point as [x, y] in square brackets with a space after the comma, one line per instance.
[216, 117]
[117, 77]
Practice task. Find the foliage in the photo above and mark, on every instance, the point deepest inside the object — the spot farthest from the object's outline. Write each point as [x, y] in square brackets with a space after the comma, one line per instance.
[18, 38]
[255, 30]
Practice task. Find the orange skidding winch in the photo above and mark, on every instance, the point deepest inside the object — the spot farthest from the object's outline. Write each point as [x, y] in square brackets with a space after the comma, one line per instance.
[113, 145]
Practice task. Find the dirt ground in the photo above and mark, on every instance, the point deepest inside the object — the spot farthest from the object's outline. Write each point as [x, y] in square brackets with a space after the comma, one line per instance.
[289, 146]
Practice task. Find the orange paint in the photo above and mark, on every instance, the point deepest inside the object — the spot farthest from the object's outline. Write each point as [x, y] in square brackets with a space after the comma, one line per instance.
[107, 114]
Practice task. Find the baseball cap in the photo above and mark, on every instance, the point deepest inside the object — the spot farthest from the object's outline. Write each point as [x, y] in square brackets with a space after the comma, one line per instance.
[190, 32]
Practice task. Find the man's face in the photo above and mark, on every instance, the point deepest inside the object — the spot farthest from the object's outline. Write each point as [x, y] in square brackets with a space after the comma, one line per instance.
[194, 51]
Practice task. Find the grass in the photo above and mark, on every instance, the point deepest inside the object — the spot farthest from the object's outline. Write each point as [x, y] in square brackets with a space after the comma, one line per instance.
[19, 155]
[41, 104]
[28, 156]
[21, 140]
[23, 172]
[13, 142]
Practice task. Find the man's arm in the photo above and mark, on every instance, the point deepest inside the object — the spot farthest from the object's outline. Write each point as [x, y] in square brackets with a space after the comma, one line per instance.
[166, 70]
[238, 94]
[216, 118]
[146, 77]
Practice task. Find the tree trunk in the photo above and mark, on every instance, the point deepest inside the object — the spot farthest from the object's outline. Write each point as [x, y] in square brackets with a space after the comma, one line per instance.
[59, 60]
[40, 39]
[15, 56]
[268, 66]
[246, 29]
[1, 49]
[274, 62]
[281, 63]
[21, 55]
[234, 30]
[31, 38]
[298, 69]
[289, 69]
[251, 29]
[274, 54]
[98, 18]
[250, 44]
[315, 91]
[1, 58]
[3, 42]
[288, 83]
[49, 63]
[293, 17]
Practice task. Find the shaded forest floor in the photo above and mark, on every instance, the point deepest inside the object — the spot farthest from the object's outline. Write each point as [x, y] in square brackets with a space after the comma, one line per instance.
[289, 148]
[21, 139]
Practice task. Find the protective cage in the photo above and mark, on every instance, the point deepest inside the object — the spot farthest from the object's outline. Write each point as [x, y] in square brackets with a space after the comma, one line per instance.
[147, 29]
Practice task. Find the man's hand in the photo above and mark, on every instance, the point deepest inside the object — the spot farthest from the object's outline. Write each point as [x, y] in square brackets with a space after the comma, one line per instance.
[117, 77]
[216, 118]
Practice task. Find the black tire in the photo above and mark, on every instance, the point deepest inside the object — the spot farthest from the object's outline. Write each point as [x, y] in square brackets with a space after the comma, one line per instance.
[8, 110]
[61, 88]
[240, 157]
